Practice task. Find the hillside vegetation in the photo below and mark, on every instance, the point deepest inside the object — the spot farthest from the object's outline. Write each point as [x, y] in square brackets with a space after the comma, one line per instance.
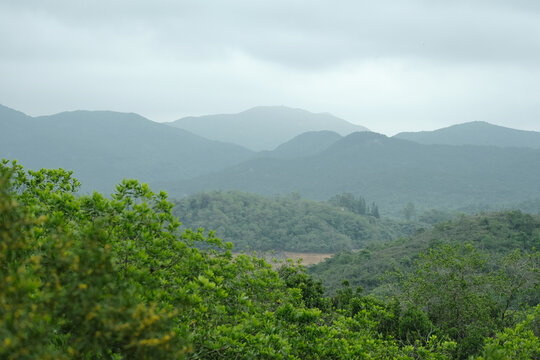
[494, 234]
[287, 223]
[98, 278]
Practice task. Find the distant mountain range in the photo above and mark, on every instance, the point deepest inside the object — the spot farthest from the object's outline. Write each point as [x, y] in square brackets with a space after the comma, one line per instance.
[103, 147]
[475, 133]
[390, 171]
[264, 127]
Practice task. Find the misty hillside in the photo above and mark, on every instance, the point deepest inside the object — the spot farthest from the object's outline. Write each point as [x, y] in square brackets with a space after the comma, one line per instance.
[103, 147]
[475, 133]
[263, 127]
[390, 171]
[303, 145]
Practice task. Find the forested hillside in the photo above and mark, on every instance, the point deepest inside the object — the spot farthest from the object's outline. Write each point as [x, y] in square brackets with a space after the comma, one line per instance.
[393, 172]
[495, 235]
[289, 222]
[103, 147]
[92, 277]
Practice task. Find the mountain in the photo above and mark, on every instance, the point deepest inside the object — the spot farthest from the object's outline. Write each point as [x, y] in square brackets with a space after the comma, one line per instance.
[475, 133]
[303, 145]
[10, 115]
[263, 127]
[103, 147]
[389, 171]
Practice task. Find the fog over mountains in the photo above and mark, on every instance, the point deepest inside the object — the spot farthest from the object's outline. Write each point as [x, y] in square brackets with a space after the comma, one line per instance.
[264, 127]
[449, 168]
[391, 172]
[103, 147]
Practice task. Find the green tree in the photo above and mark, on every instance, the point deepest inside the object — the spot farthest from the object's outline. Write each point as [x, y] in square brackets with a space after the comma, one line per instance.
[465, 297]
[521, 342]
[59, 296]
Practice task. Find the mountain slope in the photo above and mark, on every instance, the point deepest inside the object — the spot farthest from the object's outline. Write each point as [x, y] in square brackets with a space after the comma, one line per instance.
[304, 145]
[495, 233]
[263, 127]
[475, 133]
[391, 172]
[283, 223]
[103, 147]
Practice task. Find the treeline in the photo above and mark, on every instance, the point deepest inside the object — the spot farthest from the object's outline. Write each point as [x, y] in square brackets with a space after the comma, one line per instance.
[288, 222]
[97, 278]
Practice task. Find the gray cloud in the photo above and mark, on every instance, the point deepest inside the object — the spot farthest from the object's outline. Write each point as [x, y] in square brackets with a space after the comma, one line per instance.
[389, 65]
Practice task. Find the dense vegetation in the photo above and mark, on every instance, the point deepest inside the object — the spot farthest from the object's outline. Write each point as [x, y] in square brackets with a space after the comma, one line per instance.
[96, 278]
[494, 234]
[288, 223]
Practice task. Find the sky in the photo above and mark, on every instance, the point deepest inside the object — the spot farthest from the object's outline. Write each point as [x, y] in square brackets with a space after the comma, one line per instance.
[389, 65]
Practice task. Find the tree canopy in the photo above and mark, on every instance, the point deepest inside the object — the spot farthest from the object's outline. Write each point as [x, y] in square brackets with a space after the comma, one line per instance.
[91, 277]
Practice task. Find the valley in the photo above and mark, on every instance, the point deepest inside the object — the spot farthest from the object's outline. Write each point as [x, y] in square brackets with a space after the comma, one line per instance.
[327, 233]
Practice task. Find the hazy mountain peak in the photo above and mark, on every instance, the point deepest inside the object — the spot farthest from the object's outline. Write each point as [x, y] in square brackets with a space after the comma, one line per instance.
[7, 113]
[307, 144]
[102, 147]
[95, 115]
[281, 110]
[364, 137]
[475, 133]
[264, 127]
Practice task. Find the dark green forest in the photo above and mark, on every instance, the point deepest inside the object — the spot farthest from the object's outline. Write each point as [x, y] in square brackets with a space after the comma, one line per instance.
[254, 222]
[96, 277]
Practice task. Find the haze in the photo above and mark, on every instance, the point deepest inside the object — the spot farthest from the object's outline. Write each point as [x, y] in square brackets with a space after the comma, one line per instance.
[389, 65]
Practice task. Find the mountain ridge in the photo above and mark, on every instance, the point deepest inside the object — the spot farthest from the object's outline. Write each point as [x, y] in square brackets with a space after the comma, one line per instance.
[103, 147]
[263, 127]
[475, 133]
[390, 171]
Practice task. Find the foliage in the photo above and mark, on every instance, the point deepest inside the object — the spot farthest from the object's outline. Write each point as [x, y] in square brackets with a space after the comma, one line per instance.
[287, 223]
[91, 277]
[117, 278]
[354, 204]
[59, 297]
[521, 342]
[495, 234]
[463, 297]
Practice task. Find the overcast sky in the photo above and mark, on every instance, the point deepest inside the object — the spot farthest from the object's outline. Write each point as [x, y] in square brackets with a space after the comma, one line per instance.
[391, 66]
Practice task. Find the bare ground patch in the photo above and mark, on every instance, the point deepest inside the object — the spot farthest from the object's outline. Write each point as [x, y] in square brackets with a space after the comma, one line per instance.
[307, 258]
